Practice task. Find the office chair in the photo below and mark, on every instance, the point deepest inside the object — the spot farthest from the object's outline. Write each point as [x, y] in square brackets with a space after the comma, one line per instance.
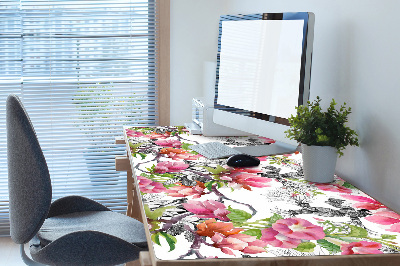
[70, 231]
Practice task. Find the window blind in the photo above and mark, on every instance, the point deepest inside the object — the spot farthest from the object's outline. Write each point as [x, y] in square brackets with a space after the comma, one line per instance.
[83, 69]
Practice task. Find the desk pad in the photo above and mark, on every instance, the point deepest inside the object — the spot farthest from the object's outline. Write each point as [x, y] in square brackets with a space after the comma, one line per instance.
[199, 208]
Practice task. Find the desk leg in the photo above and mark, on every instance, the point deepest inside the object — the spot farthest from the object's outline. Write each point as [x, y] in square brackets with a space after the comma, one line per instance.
[129, 192]
[133, 198]
[144, 260]
[133, 210]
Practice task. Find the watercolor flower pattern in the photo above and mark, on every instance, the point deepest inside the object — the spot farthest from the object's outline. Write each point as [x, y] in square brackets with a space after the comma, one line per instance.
[364, 202]
[333, 187]
[245, 177]
[211, 226]
[276, 239]
[154, 135]
[298, 228]
[186, 191]
[241, 242]
[179, 154]
[267, 140]
[207, 209]
[361, 247]
[211, 204]
[170, 142]
[134, 134]
[251, 180]
[387, 218]
[167, 167]
[148, 186]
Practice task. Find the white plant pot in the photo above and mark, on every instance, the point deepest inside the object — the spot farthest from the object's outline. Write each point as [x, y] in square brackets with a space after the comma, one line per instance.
[319, 163]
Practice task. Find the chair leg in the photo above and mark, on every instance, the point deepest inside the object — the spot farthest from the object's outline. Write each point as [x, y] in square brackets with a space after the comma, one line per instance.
[26, 259]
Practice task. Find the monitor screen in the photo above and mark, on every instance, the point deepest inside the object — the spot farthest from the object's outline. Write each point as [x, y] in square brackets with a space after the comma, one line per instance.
[260, 64]
[263, 71]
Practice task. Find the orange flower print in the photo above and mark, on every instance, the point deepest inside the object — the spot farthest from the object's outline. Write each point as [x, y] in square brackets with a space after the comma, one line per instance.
[186, 191]
[211, 226]
[176, 154]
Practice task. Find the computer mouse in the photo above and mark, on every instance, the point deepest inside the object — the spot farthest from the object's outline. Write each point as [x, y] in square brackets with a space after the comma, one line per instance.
[242, 160]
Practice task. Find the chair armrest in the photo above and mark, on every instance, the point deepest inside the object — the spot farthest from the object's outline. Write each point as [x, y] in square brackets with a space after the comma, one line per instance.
[72, 204]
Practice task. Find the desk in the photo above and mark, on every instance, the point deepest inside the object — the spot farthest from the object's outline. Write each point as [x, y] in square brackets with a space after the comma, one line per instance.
[202, 211]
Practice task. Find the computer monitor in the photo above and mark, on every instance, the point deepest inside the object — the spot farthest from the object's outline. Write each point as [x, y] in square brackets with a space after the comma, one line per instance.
[263, 73]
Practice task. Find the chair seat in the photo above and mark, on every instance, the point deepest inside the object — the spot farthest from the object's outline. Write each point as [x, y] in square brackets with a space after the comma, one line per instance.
[107, 222]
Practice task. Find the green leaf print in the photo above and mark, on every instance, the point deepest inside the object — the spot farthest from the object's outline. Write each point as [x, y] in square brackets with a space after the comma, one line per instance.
[237, 215]
[385, 236]
[216, 171]
[305, 247]
[357, 231]
[171, 240]
[253, 232]
[332, 248]
[157, 213]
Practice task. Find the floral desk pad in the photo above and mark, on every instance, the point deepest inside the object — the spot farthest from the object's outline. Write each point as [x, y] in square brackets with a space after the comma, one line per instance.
[199, 208]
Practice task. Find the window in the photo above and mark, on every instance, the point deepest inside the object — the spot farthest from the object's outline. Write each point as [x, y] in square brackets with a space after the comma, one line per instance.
[83, 69]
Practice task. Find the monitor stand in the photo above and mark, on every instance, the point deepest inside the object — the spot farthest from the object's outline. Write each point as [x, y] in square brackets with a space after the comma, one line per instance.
[276, 148]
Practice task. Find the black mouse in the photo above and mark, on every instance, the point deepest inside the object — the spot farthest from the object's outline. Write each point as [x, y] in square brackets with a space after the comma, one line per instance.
[242, 160]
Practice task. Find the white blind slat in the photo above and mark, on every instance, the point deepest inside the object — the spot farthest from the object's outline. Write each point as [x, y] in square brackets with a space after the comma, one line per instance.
[83, 69]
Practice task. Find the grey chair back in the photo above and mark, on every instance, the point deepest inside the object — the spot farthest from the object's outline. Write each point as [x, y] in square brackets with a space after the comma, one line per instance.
[28, 176]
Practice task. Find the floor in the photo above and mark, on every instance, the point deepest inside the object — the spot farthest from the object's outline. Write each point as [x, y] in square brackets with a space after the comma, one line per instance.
[9, 253]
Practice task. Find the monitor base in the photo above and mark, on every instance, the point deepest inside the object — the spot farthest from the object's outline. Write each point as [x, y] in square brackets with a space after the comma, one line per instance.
[277, 148]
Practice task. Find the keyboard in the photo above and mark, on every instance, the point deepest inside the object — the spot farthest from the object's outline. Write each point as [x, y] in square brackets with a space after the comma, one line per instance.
[214, 150]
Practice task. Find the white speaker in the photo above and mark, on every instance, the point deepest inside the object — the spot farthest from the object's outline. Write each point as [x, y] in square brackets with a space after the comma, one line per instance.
[202, 121]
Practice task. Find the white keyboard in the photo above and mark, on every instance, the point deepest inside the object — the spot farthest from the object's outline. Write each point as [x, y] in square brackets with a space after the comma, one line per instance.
[214, 150]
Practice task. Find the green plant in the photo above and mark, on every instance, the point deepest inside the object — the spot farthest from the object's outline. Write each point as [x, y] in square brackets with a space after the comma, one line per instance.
[312, 126]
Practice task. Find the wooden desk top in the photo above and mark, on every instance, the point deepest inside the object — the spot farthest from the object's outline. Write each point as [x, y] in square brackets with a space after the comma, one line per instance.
[200, 209]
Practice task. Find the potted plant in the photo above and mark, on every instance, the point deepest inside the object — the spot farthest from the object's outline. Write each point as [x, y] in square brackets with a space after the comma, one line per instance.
[323, 135]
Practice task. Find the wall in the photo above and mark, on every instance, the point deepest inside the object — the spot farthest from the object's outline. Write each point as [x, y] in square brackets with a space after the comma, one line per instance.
[194, 41]
[355, 60]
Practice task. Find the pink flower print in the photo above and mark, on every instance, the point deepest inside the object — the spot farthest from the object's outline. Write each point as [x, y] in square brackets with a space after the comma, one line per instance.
[207, 209]
[386, 217]
[333, 187]
[361, 247]
[149, 186]
[246, 177]
[251, 180]
[267, 140]
[299, 229]
[166, 167]
[290, 154]
[134, 134]
[181, 154]
[170, 142]
[276, 239]
[263, 158]
[244, 243]
[364, 202]
[184, 156]
[154, 135]
[185, 191]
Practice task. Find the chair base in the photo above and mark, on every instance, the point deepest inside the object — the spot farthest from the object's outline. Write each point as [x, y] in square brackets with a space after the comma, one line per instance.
[26, 259]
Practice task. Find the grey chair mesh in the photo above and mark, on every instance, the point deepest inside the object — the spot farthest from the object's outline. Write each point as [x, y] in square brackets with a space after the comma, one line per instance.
[70, 231]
